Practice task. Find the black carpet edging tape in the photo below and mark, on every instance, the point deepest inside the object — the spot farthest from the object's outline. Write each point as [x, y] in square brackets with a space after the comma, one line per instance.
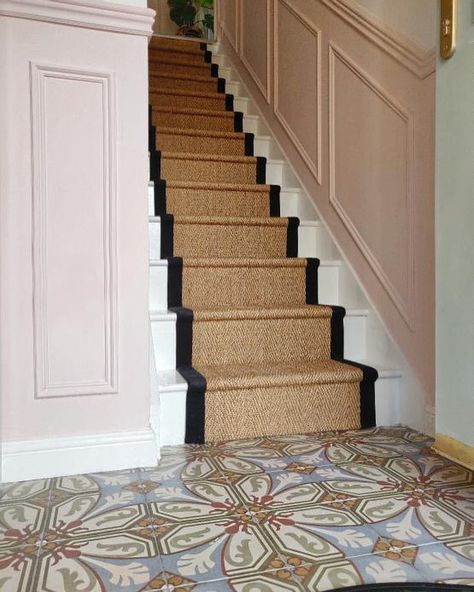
[166, 235]
[215, 70]
[292, 237]
[337, 332]
[312, 266]
[195, 405]
[152, 138]
[367, 394]
[159, 189]
[208, 56]
[203, 46]
[195, 396]
[249, 144]
[229, 102]
[275, 201]
[184, 336]
[221, 85]
[238, 121]
[261, 172]
[175, 282]
[155, 165]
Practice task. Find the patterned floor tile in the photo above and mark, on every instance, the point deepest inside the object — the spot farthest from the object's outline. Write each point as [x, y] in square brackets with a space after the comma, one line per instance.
[232, 547]
[448, 562]
[17, 567]
[125, 560]
[294, 513]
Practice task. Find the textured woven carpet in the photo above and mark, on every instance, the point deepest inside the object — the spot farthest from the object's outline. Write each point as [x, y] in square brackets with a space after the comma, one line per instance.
[260, 356]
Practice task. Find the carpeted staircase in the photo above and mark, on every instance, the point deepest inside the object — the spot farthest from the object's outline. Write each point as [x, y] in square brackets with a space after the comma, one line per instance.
[259, 354]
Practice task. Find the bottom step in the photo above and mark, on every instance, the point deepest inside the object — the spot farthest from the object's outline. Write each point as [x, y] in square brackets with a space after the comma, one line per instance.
[247, 401]
[171, 404]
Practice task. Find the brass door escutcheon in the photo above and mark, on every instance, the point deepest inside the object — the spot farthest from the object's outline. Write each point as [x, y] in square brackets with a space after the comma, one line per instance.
[447, 28]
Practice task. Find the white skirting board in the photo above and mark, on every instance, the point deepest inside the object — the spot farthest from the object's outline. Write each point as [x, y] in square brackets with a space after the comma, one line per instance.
[37, 459]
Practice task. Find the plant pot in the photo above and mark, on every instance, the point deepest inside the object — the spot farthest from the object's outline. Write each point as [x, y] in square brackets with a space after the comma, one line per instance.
[189, 31]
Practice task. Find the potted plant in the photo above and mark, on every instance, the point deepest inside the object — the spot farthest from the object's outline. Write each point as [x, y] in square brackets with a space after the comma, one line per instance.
[185, 14]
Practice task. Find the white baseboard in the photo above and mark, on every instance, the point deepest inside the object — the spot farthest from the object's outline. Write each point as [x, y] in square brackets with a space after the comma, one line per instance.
[38, 459]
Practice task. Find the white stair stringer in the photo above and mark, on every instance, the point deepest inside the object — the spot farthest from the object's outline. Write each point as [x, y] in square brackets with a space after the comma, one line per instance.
[366, 339]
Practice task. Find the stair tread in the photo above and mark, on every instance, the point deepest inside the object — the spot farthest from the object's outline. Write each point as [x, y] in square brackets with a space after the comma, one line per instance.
[241, 376]
[293, 311]
[187, 93]
[219, 186]
[214, 157]
[184, 45]
[179, 131]
[243, 262]
[231, 220]
[189, 111]
[159, 60]
[191, 77]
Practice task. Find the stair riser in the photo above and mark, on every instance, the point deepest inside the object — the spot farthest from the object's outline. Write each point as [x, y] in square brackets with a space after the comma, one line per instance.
[180, 69]
[164, 336]
[180, 44]
[164, 340]
[158, 82]
[243, 287]
[289, 409]
[172, 410]
[192, 102]
[327, 277]
[311, 241]
[209, 241]
[208, 171]
[260, 341]
[225, 123]
[181, 143]
[162, 55]
[291, 204]
[200, 203]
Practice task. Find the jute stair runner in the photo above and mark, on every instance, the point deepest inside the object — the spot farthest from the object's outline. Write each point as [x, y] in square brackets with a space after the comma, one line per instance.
[260, 356]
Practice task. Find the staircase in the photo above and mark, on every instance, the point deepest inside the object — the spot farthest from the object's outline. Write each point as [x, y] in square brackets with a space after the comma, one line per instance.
[243, 346]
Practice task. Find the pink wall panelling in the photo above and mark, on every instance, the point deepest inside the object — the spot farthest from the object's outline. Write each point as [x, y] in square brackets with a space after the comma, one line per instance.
[352, 104]
[74, 236]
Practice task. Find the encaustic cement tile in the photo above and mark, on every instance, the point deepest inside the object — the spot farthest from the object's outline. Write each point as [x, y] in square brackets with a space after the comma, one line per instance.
[126, 561]
[17, 567]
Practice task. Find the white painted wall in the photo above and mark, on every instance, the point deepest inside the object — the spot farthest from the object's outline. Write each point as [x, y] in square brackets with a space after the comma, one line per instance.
[416, 19]
[455, 237]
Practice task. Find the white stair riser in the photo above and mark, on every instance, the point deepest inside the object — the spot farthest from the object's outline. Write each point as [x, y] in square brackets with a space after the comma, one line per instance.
[154, 236]
[158, 287]
[267, 147]
[387, 401]
[164, 343]
[328, 284]
[242, 104]
[314, 241]
[172, 414]
[233, 88]
[354, 337]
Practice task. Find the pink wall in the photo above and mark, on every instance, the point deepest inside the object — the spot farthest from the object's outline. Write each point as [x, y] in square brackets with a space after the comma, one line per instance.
[351, 101]
[74, 247]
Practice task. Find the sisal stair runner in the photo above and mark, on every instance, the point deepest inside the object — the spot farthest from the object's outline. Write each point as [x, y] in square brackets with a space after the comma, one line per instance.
[260, 356]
